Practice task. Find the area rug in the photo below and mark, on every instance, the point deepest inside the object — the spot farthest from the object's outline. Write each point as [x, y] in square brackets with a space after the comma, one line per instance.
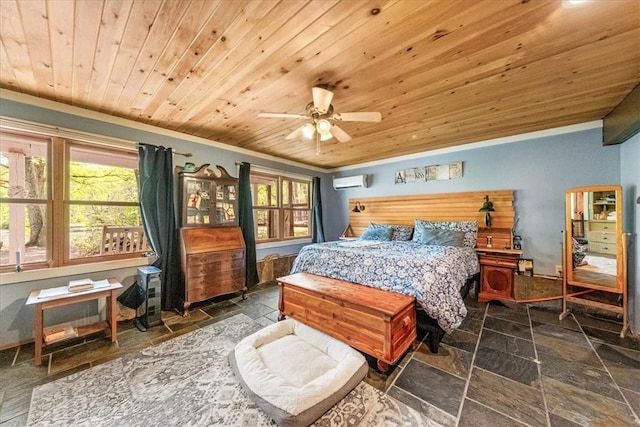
[187, 381]
[536, 288]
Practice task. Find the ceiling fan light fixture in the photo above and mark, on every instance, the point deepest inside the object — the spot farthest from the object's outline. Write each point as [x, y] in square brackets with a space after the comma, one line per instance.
[308, 130]
[323, 127]
[325, 137]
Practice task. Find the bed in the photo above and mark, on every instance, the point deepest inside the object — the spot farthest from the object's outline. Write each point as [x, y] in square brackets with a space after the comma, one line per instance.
[434, 275]
[438, 276]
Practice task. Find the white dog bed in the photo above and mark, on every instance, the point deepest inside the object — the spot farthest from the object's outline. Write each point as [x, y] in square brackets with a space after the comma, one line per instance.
[295, 373]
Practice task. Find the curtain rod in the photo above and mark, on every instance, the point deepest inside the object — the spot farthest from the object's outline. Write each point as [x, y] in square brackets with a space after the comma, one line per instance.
[172, 150]
[274, 171]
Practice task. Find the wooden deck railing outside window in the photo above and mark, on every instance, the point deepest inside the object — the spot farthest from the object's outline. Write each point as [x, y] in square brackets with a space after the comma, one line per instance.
[123, 240]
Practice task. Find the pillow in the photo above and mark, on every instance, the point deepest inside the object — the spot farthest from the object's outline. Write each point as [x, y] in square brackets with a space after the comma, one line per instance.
[434, 236]
[377, 232]
[400, 233]
[470, 229]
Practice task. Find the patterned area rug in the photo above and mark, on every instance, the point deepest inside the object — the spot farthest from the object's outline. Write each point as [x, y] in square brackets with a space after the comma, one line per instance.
[187, 381]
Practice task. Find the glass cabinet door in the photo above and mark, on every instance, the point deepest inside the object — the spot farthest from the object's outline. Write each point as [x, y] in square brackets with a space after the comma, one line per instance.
[197, 202]
[209, 197]
[226, 204]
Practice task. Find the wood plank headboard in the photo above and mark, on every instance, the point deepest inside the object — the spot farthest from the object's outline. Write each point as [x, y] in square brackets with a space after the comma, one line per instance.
[403, 210]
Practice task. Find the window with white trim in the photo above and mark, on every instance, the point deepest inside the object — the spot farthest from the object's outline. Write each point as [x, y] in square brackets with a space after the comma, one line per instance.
[65, 202]
[281, 207]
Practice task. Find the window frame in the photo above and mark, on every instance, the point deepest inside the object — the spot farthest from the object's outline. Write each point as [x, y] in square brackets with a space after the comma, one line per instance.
[58, 203]
[280, 209]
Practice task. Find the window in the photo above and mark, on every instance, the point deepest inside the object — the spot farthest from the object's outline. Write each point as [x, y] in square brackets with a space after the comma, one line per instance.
[66, 202]
[25, 196]
[281, 207]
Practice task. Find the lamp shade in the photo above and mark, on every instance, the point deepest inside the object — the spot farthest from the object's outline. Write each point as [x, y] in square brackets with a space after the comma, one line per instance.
[308, 130]
[487, 206]
[358, 207]
[323, 127]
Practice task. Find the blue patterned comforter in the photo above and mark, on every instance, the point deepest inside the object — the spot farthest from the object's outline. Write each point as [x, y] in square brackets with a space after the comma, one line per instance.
[433, 275]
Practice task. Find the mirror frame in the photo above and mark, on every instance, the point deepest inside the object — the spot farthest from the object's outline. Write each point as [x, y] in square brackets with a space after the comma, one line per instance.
[568, 249]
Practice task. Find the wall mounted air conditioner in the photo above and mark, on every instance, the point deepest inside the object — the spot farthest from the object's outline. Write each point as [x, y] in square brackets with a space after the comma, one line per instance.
[350, 182]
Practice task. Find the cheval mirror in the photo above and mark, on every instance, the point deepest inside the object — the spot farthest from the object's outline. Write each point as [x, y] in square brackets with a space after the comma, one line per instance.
[594, 255]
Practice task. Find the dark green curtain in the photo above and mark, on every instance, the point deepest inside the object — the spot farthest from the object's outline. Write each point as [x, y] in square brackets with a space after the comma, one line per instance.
[245, 219]
[158, 218]
[318, 229]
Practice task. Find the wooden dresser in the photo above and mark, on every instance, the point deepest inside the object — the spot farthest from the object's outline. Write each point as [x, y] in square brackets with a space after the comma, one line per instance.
[213, 262]
[602, 237]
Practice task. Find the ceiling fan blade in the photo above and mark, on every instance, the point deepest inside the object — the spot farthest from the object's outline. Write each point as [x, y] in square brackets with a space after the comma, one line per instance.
[296, 133]
[362, 116]
[283, 115]
[339, 134]
[321, 99]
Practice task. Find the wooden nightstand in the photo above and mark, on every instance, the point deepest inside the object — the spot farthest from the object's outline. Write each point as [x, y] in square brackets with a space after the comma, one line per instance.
[497, 273]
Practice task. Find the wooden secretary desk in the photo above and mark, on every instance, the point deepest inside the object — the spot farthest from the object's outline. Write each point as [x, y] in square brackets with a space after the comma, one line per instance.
[212, 249]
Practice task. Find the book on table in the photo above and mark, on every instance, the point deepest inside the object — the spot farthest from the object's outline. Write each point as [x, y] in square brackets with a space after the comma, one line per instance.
[57, 333]
[80, 285]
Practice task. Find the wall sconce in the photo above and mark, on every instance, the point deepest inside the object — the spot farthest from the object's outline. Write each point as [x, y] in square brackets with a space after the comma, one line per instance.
[358, 207]
[487, 207]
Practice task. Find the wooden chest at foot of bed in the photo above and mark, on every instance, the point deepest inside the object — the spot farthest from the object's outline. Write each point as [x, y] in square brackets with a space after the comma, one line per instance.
[377, 322]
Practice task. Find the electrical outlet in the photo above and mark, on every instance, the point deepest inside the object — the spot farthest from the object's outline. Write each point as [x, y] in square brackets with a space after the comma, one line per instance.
[558, 270]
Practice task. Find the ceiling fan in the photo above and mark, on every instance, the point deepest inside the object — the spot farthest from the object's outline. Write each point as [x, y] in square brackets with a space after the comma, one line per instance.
[321, 113]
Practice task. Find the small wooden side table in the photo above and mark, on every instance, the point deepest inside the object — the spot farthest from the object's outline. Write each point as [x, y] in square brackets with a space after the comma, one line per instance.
[497, 273]
[63, 299]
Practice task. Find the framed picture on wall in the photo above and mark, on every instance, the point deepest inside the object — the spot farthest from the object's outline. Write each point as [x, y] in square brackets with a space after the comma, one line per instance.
[525, 267]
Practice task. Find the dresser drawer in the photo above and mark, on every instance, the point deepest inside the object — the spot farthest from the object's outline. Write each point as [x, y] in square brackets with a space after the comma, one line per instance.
[211, 257]
[603, 248]
[194, 283]
[205, 288]
[602, 237]
[498, 261]
[609, 226]
[214, 268]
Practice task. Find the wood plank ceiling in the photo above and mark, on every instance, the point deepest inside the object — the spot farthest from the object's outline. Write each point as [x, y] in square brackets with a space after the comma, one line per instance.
[441, 72]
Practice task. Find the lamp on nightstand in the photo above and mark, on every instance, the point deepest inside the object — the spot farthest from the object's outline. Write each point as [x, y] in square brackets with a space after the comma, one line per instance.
[487, 207]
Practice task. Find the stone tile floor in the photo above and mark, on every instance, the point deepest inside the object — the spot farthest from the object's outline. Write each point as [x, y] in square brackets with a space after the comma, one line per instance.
[516, 365]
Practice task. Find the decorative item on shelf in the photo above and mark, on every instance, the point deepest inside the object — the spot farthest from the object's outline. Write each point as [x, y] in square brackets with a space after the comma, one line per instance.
[525, 267]
[516, 238]
[358, 207]
[517, 242]
[189, 167]
[487, 207]
[18, 262]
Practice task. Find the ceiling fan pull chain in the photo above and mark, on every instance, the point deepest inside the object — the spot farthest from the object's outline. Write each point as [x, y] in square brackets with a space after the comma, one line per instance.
[317, 144]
